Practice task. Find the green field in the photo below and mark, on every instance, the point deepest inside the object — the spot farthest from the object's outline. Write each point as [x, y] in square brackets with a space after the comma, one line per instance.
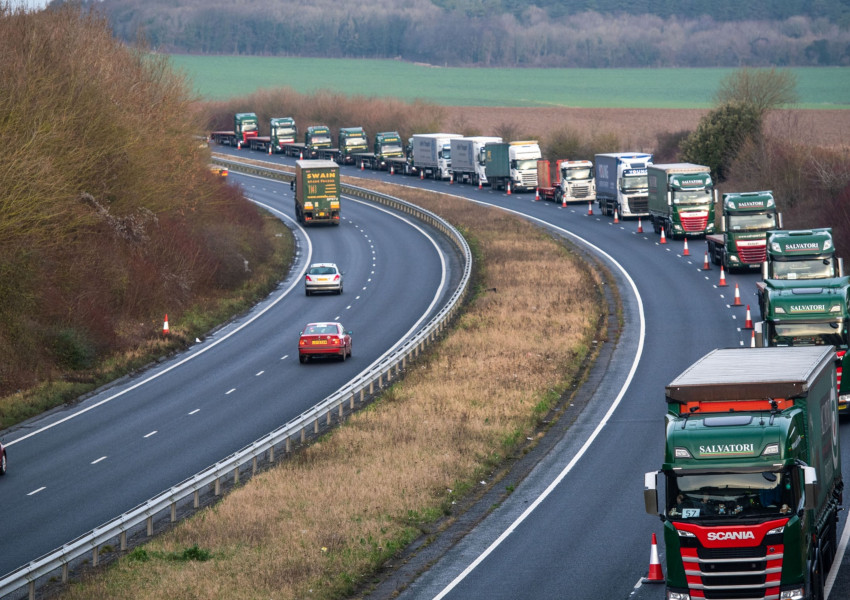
[222, 77]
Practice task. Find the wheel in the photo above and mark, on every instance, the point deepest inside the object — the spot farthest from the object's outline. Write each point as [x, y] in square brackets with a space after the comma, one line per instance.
[817, 579]
[302, 358]
[339, 291]
[655, 228]
[712, 250]
[668, 231]
[308, 292]
[3, 464]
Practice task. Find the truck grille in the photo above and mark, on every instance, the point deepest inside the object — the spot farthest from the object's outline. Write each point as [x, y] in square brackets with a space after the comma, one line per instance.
[751, 253]
[734, 573]
[529, 180]
[694, 224]
[581, 191]
[639, 205]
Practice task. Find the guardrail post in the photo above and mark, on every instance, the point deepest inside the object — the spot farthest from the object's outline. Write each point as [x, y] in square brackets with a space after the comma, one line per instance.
[236, 475]
[351, 402]
[372, 387]
[150, 525]
[123, 541]
[288, 444]
[64, 572]
[31, 590]
[271, 453]
[316, 426]
[197, 499]
[340, 412]
[217, 486]
[362, 395]
[254, 466]
[303, 434]
[173, 511]
[94, 557]
[329, 417]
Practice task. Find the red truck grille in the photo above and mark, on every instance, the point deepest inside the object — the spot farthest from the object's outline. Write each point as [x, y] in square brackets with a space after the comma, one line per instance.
[694, 222]
[730, 573]
[751, 252]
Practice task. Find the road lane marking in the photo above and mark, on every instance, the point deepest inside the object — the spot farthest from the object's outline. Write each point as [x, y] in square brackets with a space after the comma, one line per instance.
[230, 391]
[94, 462]
[196, 411]
[34, 492]
[154, 432]
[260, 373]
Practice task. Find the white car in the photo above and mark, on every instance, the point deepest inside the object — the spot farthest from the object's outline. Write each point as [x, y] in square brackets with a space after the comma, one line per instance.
[323, 277]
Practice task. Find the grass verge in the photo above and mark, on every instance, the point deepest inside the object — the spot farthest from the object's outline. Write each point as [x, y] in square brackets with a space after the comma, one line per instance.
[318, 525]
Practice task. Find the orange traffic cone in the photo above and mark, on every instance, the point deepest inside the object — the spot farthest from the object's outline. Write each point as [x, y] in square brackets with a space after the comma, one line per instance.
[165, 325]
[686, 252]
[270, 149]
[737, 301]
[421, 174]
[301, 156]
[640, 226]
[563, 202]
[392, 169]
[616, 216]
[479, 184]
[509, 188]
[753, 339]
[362, 166]
[722, 277]
[590, 208]
[537, 194]
[663, 237]
[239, 146]
[656, 575]
[748, 322]
[706, 266]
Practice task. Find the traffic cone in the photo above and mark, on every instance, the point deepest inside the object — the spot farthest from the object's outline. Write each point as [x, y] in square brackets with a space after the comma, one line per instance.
[686, 252]
[479, 184]
[421, 174]
[640, 226]
[362, 166]
[563, 202]
[748, 322]
[589, 208]
[663, 237]
[165, 325]
[239, 145]
[392, 169]
[536, 194]
[722, 277]
[706, 265]
[270, 149]
[451, 178]
[753, 339]
[616, 216]
[656, 574]
[509, 188]
[737, 301]
[301, 156]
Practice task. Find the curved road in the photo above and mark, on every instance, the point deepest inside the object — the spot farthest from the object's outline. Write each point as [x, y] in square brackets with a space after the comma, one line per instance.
[77, 467]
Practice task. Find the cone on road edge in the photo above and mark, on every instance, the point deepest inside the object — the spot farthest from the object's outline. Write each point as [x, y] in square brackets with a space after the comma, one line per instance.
[706, 266]
[748, 322]
[737, 301]
[616, 216]
[509, 188]
[479, 184]
[563, 202]
[686, 252]
[165, 325]
[640, 226]
[656, 575]
[753, 339]
[722, 282]
[537, 194]
[590, 208]
[663, 238]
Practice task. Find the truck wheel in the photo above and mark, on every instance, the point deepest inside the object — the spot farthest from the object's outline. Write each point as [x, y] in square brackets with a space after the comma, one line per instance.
[655, 228]
[668, 231]
[712, 250]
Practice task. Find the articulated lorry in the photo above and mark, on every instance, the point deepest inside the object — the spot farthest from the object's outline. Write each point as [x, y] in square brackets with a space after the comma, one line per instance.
[387, 149]
[468, 158]
[317, 144]
[574, 181]
[245, 127]
[512, 164]
[621, 183]
[317, 191]
[745, 220]
[352, 143]
[810, 313]
[796, 257]
[432, 154]
[281, 131]
[681, 199]
[752, 473]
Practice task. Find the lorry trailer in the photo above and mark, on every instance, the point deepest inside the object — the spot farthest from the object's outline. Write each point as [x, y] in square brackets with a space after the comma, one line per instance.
[317, 192]
[468, 159]
[752, 474]
[745, 220]
[245, 127]
[432, 154]
[621, 183]
[575, 181]
[681, 199]
[512, 164]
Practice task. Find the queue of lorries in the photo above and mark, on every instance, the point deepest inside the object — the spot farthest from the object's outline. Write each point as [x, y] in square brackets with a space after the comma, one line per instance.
[752, 474]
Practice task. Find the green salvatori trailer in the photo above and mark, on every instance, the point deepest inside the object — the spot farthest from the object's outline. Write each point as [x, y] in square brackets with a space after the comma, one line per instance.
[317, 192]
[752, 475]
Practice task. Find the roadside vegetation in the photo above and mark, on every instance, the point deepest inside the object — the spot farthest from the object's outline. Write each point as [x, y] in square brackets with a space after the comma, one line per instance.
[320, 524]
[109, 216]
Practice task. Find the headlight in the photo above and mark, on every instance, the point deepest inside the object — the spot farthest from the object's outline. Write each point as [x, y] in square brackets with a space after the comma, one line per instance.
[678, 595]
[795, 594]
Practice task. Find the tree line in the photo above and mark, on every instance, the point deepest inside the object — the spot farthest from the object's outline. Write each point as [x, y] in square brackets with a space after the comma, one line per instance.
[499, 33]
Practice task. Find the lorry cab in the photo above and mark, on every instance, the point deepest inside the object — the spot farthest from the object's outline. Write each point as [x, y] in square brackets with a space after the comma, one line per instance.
[282, 131]
[246, 126]
[801, 254]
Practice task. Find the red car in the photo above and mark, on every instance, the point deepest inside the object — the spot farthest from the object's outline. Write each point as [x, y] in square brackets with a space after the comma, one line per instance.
[324, 339]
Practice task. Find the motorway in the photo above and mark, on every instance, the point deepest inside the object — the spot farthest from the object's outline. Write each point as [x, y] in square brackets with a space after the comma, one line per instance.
[79, 466]
[576, 527]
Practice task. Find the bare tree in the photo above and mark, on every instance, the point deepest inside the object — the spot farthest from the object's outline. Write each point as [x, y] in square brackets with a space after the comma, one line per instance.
[762, 88]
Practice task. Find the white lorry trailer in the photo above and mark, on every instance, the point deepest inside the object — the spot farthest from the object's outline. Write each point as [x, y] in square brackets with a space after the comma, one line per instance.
[468, 159]
[432, 154]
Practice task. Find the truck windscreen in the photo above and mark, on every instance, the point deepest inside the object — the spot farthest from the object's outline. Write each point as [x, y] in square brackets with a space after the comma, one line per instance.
[692, 197]
[807, 334]
[578, 174]
[735, 495]
[818, 268]
[758, 222]
[631, 183]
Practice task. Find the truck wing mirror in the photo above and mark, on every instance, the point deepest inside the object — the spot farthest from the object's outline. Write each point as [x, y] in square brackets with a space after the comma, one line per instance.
[650, 492]
[810, 478]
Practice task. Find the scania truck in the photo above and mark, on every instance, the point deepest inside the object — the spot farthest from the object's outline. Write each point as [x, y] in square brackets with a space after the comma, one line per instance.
[752, 475]
[317, 192]
[387, 149]
[621, 183]
[810, 313]
[745, 220]
[317, 144]
[245, 127]
[352, 141]
[681, 199]
[468, 159]
[432, 154]
[574, 181]
[512, 164]
[282, 131]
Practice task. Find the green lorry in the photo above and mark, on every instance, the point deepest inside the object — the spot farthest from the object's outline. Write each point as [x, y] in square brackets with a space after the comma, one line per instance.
[387, 150]
[245, 127]
[317, 144]
[681, 199]
[317, 192]
[744, 222]
[352, 142]
[282, 131]
[752, 473]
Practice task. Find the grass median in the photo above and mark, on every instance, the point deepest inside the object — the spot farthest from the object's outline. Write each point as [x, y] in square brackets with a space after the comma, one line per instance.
[321, 523]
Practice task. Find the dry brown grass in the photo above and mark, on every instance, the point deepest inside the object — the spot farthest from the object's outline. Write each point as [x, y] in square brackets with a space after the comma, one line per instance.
[317, 525]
